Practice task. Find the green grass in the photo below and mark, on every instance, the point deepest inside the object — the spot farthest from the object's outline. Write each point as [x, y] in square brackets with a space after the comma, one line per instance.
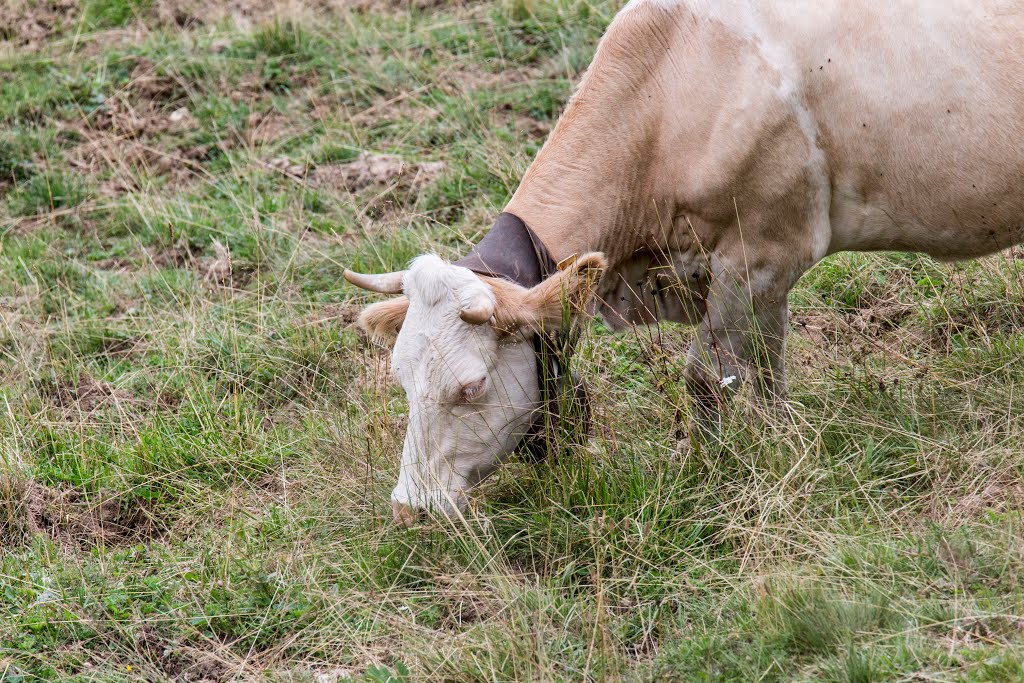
[196, 448]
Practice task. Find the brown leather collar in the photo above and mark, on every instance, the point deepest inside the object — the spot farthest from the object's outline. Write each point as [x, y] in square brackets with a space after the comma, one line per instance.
[513, 252]
[510, 251]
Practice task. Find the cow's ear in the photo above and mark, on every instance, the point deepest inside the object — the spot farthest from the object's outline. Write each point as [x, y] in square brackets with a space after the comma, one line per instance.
[381, 322]
[545, 306]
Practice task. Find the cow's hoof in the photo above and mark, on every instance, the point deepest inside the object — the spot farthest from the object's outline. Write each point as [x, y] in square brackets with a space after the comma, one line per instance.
[704, 430]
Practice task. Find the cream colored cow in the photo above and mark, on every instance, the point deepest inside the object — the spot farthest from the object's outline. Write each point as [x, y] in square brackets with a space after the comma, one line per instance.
[713, 153]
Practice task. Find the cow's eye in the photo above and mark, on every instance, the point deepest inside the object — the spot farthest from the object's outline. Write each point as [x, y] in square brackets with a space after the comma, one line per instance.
[474, 390]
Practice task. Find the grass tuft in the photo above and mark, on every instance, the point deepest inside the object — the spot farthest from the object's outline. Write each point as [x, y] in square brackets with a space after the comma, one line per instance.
[46, 192]
[101, 14]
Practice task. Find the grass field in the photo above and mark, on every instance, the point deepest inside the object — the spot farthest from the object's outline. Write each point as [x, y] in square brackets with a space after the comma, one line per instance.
[196, 447]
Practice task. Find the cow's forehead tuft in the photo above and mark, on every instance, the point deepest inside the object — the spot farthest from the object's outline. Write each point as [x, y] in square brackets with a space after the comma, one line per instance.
[431, 281]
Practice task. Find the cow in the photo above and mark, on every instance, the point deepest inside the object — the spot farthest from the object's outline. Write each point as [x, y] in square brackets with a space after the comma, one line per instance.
[713, 152]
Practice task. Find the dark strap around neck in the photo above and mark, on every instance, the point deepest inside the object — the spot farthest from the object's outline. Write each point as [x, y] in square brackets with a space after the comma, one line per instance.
[511, 251]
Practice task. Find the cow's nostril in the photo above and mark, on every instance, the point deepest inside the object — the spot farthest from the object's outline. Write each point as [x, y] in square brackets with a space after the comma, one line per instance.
[405, 515]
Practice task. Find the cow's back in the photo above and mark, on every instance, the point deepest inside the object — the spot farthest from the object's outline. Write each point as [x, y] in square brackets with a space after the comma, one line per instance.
[919, 110]
[817, 125]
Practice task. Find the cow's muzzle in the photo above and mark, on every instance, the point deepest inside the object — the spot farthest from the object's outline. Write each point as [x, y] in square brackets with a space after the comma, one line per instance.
[406, 515]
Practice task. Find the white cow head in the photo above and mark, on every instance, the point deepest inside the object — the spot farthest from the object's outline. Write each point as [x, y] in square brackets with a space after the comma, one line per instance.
[462, 350]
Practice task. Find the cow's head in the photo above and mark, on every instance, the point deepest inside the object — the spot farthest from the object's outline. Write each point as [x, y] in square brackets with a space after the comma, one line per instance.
[462, 350]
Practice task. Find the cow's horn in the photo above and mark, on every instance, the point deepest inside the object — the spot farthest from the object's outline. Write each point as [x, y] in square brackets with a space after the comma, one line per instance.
[480, 311]
[385, 283]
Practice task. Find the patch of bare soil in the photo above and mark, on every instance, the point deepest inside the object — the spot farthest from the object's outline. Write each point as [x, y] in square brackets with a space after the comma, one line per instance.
[376, 169]
[832, 327]
[820, 328]
[530, 127]
[263, 128]
[243, 14]
[17, 304]
[179, 660]
[334, 315]
[285, 166]
[182, 254]
[119, 155]
[469, 77]
[857, 333]
[73, 519]
[26, 24]
[391, 5]
[147, 85]
[183, 14]
[136, 128]
[463, 603]
[218, 270]
[880, 318]
[89, 394]
[387, 183]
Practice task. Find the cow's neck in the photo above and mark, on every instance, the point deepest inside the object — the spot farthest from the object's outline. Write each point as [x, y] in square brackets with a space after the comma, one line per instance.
[584, 193]
[596, 184]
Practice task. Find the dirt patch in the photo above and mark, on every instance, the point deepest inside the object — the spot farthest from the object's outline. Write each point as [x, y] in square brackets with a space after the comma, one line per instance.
[833, 326]
[857, 334]
[19, 304]
[178, 660]
[377, 169]
[26, 24]
[218, 270]
[880, 318]
[337, 315]
[405, 107]
[468, 78]
[89, 394]
[148, 85]
[285, 166]
[820, 328]
[182, 254]
[123, 142]
[462, 603]
[123, 158]
[531, 127]
[143, 126]
[263, 128]
[149, 104]
[184, 15]
[460, 612]
[73, 519]
[386, 184]
[245, 15]
[275, 484]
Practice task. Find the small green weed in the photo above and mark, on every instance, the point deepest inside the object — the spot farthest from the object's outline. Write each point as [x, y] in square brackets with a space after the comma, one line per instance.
[101, 14]
[46, 192]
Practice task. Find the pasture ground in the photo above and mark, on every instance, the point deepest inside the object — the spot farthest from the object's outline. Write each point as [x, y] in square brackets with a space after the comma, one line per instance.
[196, 447]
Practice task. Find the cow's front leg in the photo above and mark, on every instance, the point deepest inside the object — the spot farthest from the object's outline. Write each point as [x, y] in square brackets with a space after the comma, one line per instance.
[742, 336]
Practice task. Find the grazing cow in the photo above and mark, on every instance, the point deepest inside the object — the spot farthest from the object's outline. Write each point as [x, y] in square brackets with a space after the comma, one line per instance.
[714, 151]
